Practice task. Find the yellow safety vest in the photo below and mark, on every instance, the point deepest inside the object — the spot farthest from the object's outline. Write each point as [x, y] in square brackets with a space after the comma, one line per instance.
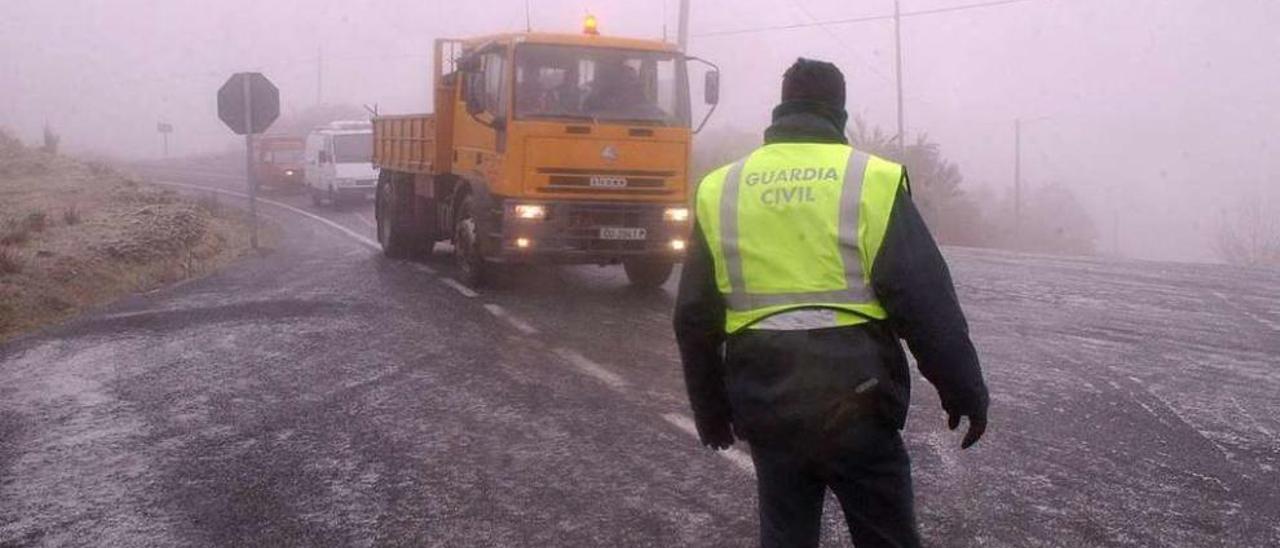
[797, 226]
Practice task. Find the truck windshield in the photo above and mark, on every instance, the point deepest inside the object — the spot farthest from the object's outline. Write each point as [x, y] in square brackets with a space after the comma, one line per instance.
[600, 84]
[353, 148]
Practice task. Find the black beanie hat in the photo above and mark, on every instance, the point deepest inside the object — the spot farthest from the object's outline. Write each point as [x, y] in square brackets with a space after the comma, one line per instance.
[814, 81]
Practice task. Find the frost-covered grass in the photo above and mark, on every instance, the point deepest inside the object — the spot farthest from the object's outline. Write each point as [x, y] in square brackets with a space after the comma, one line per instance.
[76, 234]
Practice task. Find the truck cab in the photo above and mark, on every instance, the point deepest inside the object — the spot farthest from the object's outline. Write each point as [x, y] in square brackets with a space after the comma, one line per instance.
[545, 148]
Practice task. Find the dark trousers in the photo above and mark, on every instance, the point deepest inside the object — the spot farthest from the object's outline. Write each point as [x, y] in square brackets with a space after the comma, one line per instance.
[867, 468]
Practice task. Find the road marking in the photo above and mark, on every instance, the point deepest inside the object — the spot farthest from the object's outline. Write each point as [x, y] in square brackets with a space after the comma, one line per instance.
[600, 372]
[130, 315]
[515, 322]
[366, 221]
[366, 241]
[735, 455]
[464, 290]
[582, 363]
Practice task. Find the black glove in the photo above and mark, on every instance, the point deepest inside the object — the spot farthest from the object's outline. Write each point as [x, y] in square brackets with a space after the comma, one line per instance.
[716, 433]
[977, 425]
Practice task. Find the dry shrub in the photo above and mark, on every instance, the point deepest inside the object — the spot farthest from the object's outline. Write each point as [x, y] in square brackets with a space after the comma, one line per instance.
[8, 315]
[15, 234]
[19, 232]
[130, 192]
[36, 221]
[100, 169]
[209, 202]
[10, 262]
[157, 232]
[71, 216]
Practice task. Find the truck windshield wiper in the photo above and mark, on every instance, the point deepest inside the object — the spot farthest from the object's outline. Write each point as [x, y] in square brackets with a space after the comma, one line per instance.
[654, 121]
[566, 116]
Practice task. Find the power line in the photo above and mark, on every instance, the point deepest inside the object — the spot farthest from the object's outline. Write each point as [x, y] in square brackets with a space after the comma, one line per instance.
[839, 40]
[863, 19]
[965, 7]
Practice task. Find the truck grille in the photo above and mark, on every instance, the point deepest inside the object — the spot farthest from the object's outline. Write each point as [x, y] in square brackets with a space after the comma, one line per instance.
[622, 181]
[584, 181]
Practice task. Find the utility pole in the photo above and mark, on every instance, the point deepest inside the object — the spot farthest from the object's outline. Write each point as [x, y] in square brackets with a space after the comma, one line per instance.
[319, 73]
[1115, 231]
[1017, 167]
[528, 19]
[1017, 173]
[897, 49]
[684, 26]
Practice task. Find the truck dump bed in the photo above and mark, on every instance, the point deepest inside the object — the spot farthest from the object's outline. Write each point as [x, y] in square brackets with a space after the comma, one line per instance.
[406, 143]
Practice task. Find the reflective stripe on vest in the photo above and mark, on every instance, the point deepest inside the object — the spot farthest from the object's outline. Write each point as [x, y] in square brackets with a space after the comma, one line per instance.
[855, 291]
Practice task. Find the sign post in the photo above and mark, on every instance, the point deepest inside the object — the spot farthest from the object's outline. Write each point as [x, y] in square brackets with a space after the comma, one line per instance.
[165, 128]
[248, 103]
[248, 164]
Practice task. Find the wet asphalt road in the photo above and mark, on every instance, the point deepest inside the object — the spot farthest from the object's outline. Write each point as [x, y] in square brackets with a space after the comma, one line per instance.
[322, 395]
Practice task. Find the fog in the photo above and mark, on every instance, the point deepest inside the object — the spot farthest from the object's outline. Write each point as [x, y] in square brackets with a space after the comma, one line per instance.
[1161, 115]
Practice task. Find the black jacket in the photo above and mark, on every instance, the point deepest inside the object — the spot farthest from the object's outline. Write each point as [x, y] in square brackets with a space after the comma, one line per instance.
[778, 386]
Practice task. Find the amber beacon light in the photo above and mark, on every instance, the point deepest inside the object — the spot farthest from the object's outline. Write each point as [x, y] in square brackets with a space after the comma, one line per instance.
[590, 26]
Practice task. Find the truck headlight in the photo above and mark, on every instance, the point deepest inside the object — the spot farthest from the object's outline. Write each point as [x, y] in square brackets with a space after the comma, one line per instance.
[288, 173]
[531, 212]
[676, 214]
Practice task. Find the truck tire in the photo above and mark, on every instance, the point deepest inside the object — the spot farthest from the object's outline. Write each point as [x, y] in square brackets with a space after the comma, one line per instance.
[391, 214]
[466, 248]
[315, 197]
[647, 274]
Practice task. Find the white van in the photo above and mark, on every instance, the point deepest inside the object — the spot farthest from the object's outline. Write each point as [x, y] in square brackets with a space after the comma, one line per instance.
[339, 163]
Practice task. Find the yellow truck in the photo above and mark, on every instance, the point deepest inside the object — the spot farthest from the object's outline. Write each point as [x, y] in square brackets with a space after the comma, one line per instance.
[545, 148]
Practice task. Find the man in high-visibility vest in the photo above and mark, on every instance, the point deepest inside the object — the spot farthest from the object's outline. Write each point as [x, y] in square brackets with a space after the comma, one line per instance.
[808, 262]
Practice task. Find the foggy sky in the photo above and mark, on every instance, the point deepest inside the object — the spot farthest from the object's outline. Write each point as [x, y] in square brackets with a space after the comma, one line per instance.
[1159, 113]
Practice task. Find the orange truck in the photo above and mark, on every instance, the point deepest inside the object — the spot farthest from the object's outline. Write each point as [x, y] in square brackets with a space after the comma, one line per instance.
[278, 161]
[545, 148]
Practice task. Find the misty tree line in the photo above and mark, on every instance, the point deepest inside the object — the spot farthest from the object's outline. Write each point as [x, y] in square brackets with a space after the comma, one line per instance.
[1053, 220]
[1249, 234]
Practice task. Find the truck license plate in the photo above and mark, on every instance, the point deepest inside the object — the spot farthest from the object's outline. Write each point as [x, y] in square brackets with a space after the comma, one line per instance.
[616, 233]
[604, 181]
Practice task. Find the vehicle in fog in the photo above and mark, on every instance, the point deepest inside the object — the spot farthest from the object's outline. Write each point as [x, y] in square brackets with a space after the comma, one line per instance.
[544, 148]
[278, 161]
[338, 167]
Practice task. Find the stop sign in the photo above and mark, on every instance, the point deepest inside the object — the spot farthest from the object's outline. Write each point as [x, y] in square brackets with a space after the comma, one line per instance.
[262, 102]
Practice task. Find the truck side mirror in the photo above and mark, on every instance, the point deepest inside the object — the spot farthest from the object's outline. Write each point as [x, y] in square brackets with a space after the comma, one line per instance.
[711, 88]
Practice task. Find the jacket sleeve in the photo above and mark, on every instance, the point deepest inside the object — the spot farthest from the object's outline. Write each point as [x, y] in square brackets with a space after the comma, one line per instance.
[699, 327]
[913, 284]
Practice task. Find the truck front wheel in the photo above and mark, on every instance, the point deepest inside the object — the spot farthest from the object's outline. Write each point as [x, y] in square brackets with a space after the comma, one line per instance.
[390, 213]
[647, 274]
[466, 248]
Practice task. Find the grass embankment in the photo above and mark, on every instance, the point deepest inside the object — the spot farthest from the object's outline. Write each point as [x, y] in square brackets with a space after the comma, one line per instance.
[76, 234]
